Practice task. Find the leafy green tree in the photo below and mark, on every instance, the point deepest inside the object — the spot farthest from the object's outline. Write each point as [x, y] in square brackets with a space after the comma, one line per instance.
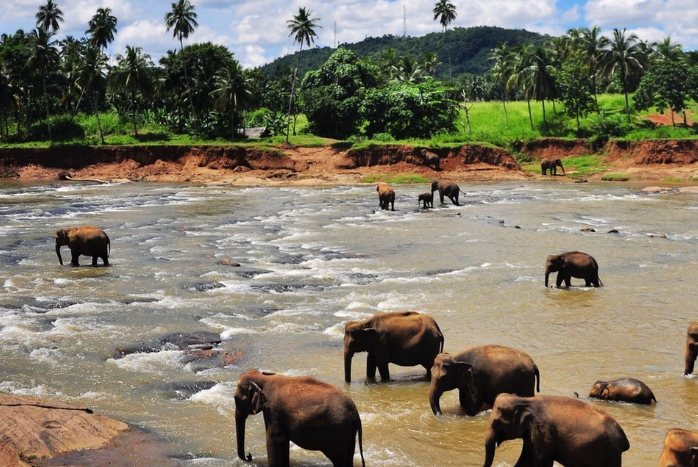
[102, 28]
[233, 89]
[91, 77]
[48, 17]
[576, 91]
[302, 28]
[624, 57]
[43, 58]
[591, 46]
[541, 74]
[182, 20]
[331, 97]
[445, 12]
[665, 86]
[132, 74]
[409, 70]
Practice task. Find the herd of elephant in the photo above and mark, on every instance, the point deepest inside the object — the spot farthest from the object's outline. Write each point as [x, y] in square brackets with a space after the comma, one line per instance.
[446, 189]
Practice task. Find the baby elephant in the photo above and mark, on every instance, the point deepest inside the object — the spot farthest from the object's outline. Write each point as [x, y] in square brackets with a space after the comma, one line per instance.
[88, 241]
[624, 389]
[427, 198]
[680, 449]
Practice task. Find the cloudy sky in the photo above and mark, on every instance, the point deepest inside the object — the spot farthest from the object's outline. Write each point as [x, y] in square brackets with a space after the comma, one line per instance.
[256, 31]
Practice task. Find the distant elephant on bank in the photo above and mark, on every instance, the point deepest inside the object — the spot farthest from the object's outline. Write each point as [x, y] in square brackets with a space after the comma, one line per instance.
[427, 198]
[551, 165]
[431, 159]
[691, 348]
[404, 338]
[573, 264]
[680, 449]
[447, 188]
[482, 373]
[87, 241]
[624, 389]
[555, 428]
[386, 196]
[312, 414]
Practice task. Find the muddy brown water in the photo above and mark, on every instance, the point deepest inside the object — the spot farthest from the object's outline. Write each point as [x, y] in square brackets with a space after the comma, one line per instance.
[314, 258]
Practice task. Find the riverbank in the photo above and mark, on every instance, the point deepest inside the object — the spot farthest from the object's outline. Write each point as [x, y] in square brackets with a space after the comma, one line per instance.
[665, 160]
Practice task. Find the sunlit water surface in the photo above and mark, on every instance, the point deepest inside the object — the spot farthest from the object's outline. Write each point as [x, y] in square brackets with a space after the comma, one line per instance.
[314, 258]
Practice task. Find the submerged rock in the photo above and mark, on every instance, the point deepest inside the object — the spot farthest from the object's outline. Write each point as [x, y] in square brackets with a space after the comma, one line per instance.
[197, 340]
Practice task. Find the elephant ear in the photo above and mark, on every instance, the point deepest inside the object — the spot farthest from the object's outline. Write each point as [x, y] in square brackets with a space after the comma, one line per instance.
[523, 417]
[604, 390]
[258, 398]
[465, 373]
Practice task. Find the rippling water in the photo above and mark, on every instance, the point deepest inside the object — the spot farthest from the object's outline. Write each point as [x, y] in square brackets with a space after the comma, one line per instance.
[312, 259]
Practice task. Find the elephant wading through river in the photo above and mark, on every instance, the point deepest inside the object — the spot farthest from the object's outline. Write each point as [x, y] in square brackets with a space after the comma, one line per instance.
[481, 374]
[551, 165]
[405, 338]
[623, 389]
[88, 241]
[691, 348]
[448, 189]
[386, 197]
[573, 264]
[427, 199]
[555, 428]
[310, 413]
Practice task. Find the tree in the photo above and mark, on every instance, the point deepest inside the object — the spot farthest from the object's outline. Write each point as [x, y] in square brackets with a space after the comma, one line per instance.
[182, 20]
[518, 66]
[624, 57]
[576, 90]
[502, 70]
[591, 46]
[302, 28]
[445, 12]
[102, 28]
[91, 78]
[43, 57]
[541, 77]
[48, 16]
[665, 85]
[132, 73]
[232, 89]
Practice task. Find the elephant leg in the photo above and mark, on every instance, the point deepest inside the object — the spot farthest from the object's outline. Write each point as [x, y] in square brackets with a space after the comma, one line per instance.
[383, 369]
[74, 260]
[568, 281]
[559, 279]
[370, 367]
[105, 259]
[278, 447]
[441, 196]
[340, 454]
[690, 362]
[94, 260]
[526, 457]
[454, 200]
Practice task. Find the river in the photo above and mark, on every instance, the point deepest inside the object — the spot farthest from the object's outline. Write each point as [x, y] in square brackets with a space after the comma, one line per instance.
[314, 258]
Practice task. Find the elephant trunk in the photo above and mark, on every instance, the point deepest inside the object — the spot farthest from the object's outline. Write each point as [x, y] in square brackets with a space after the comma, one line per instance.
[547, 274]
[434, 396]
[58, 252]
[490, 444]
[690, 361]
[348, 355]
[240, 433]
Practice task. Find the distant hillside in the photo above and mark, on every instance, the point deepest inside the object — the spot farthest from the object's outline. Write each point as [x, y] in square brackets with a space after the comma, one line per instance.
[469, 49]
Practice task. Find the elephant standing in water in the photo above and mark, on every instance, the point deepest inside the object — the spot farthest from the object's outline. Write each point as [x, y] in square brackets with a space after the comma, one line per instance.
[448, 189]
[386, 196]
[482, 373]
[623, 389]
[680, 449]
[691, 348]
[88, 241]
[555, 428]
[405, 338]
[426, 198]
[310, 413]
[551, 165]
[573, 264]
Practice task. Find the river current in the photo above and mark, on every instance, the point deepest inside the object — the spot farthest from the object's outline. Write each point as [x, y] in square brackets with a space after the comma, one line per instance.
[314, 258]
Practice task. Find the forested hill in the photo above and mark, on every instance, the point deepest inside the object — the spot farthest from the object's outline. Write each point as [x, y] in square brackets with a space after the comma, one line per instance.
[469, 48]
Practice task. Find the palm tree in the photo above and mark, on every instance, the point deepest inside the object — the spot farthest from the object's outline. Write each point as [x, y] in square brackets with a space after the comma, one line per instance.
[48, 16]
[666, 50]
[232, 89]
[43, 56]
[182, 20]
[591, 46]
[302, 28]
[445, 12]
[624, 56]
[133, 74]
[408, 70]
[430, 60]
[501, 56]
[102, 28]
[91, 78]
[518, 66]
[541, 72]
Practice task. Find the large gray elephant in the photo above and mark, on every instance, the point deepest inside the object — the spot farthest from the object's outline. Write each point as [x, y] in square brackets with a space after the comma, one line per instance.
[573, 264]
[404, 338]
[447, 188]
[386, 196]
[623, 389]
[88, 241]
[482, 373]
[310, 413]
[691, 348]
[551, 165]
[555, 428]
[680, 449]
[431, 159]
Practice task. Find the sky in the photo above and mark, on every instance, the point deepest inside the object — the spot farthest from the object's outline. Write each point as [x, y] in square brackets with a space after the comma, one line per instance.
[257, 31]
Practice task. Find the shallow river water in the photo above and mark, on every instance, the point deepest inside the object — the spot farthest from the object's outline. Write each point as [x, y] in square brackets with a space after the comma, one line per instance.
[313, 259]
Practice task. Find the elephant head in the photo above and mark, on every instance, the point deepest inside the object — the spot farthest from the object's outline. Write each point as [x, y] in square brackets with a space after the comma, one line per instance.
[249, 400]
[553, 264]
[511, 418]
[357, 338]
[447, 374]
[434, 186]
[599, 389]
[62, 238]
[691, 348]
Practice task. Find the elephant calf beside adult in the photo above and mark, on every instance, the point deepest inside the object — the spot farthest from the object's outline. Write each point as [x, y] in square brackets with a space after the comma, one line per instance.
[482, 373]
[88, 241]
[551, 166]
[573, 264]
[426, 198]
[310, 413]
[404, 338]
[447, 188]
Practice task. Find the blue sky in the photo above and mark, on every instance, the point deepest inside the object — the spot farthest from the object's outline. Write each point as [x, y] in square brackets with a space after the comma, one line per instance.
[256, 31]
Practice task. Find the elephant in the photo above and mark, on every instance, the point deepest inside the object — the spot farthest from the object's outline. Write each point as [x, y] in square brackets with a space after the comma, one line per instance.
[691, 348]
[573, 264]
[88, 241]
[314, 415]
[447, 188]
[481, 374]
[427, 198]
[555, 428]
[431, 159]
[624, 389]
[680, 449]
[551, 165]
[404, 338]
[386, 196]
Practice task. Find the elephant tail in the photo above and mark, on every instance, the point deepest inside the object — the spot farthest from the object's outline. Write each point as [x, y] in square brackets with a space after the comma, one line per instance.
[109, 248]
[441, 346]
[537, 373]
[600, 283]
[361, 445]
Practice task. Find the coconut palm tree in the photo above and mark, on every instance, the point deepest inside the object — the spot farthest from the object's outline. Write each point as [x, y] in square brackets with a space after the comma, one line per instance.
[541, 72]
[102, 28]
[132, 73]
[502, 57]
[232, 89]
[182, 21]
[519, 64]
[624, 56]
[591, 46]
[48, 16]
[302, 28]
[91, 78]
[445, 12]
[43, 57]
[666, 50]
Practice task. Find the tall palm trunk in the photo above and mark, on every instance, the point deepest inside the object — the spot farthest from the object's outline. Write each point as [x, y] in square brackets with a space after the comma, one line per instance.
[186, 79]
[48, 111]
[504, 104]
[133, 111]
[530, 116]
[95, 96]
[545, 123]
[290, 100]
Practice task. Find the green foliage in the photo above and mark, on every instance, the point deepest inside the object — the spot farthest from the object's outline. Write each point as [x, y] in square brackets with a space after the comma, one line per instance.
[615, 177]
[665, 85]
[400, 179]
